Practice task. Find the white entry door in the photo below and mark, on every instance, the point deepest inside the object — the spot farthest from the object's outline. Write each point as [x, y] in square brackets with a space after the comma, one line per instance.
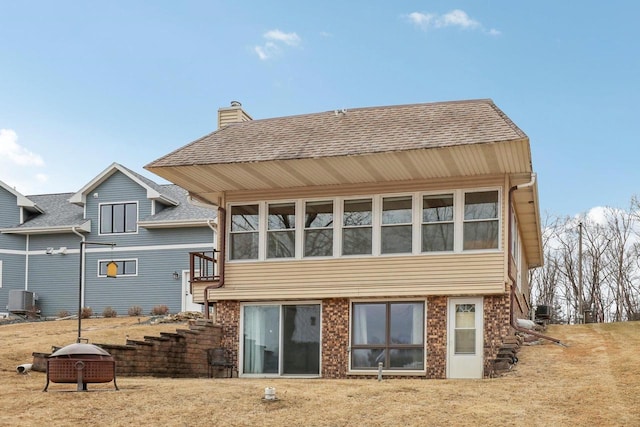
[465, 338]
[187, 296]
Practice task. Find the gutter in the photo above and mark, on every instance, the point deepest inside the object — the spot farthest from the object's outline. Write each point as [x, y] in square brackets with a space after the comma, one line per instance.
[512, 297]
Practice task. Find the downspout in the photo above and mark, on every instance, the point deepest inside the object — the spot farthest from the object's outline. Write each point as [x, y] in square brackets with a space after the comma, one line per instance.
[221, 234]
[512, 314]
[26, 264]
[82, 239]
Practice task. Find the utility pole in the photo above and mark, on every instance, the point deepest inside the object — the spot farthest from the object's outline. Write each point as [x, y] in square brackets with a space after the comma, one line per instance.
[580, 317]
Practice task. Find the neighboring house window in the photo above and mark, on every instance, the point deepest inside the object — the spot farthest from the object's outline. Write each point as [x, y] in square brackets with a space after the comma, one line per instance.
[387, 332]
[481, 222]
[128, 267]
[437, 223]
[245, 222]
[357, 227]
[281, 230]
[318, 228]
[397, 230]
[118, 218]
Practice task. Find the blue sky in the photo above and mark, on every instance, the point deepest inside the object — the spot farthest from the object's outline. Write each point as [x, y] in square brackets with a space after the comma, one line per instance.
[84, 84]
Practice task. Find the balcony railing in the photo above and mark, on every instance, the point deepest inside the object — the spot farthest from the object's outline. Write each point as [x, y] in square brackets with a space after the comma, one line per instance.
[203, 266]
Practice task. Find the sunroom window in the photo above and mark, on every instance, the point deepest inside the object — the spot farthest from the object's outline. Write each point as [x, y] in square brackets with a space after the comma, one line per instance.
[396, 230]
[318, 228]
[437, 223]
[357, 227]
[245, 222]
[281, 230]
[481, 224]
[391, 333]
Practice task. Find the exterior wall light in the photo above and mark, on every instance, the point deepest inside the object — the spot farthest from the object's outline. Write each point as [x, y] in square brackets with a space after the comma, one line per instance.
[176, 275]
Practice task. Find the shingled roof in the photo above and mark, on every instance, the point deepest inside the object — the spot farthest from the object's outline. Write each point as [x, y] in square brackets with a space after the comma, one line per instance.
[350, 132]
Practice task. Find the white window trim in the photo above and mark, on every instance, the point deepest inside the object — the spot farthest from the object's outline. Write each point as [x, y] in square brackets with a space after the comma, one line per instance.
[376, 224]
[397, 372]
[280, 338]
[0, 273]
[119, 260]
[126, 233]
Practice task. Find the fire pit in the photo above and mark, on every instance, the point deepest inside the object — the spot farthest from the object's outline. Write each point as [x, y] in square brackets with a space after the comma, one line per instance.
[81, 364]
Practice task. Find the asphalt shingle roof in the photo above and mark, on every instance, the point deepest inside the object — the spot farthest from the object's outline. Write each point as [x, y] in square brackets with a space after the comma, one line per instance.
[354, 132]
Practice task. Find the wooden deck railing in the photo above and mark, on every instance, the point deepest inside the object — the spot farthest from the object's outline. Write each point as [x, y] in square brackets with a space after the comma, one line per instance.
[203, 266]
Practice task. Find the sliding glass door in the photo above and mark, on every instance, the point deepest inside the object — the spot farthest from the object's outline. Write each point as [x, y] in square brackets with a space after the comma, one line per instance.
[281, 339]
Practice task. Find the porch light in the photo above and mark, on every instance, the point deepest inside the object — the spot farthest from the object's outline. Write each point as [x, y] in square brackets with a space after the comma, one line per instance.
[176, 275]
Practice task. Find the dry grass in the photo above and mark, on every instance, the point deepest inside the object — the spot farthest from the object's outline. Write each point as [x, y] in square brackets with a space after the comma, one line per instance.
[595, 382]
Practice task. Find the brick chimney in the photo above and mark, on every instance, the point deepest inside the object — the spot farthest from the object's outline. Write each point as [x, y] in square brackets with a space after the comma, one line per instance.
[232, 114]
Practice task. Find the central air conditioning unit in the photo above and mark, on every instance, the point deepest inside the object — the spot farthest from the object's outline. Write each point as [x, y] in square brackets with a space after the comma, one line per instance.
[21, 301]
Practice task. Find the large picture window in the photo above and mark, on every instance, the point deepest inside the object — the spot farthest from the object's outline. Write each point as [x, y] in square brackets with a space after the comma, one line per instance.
[391, 333]
[397, 227]
[357, 227]
[118, 218]
[281, 230]
[437, 223]
[318, 228]
[245, 222]
[481, 222]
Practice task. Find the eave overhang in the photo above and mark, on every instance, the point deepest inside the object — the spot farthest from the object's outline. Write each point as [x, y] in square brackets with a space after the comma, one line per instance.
[60, 229]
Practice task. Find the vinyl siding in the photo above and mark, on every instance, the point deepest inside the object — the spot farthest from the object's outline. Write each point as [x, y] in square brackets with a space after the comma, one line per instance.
[459, 274]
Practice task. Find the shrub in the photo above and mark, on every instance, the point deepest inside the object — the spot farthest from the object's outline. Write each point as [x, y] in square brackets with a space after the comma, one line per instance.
[160, 310]
[63, 313]
[86, 313]
[109, 312]
[135, 310]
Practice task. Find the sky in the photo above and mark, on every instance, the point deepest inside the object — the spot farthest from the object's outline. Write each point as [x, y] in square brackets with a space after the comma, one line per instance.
[86, 84]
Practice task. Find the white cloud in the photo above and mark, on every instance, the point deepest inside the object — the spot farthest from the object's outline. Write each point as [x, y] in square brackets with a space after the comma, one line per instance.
[455, 18]
[17, 163]
[14, 153]
[290, 39]
[276, 40]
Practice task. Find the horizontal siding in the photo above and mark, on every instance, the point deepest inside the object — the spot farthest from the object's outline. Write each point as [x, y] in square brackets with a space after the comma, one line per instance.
[462, 274]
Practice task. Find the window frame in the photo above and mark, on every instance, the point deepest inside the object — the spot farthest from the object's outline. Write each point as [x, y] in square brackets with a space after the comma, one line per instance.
[376, 226]
[118, 260]
[112, 204]
[387, 346]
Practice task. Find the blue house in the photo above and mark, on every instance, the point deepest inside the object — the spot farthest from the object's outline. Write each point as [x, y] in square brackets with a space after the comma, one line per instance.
[152, 228]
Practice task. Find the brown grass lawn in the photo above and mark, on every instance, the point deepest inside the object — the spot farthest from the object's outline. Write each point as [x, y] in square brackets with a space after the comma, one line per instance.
[595, 381]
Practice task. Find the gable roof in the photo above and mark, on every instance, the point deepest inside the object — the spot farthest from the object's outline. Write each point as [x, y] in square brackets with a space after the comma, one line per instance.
[22, 201]
[154, 191]
[58, 216]
[183, 214]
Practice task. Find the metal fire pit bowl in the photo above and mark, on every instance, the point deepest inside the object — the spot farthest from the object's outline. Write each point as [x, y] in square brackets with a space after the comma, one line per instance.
[81, 364]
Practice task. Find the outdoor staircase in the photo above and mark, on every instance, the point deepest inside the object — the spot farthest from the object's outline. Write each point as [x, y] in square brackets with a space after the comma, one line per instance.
[506, 356]
[180, 354]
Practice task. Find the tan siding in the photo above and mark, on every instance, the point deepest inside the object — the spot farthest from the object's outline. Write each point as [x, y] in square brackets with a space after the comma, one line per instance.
[457, 274]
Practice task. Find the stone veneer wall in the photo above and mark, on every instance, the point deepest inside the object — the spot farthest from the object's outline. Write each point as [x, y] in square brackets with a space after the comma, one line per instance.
[497, 326]
[228, 317]
[437, 337]
[335, 337]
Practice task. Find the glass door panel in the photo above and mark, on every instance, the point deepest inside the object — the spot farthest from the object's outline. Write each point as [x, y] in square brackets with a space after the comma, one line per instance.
[301, 339]
[261, 339]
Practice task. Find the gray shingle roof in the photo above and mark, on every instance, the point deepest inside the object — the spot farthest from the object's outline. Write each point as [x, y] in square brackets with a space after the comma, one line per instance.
[184, 211]
[355, 132]
[57, 212]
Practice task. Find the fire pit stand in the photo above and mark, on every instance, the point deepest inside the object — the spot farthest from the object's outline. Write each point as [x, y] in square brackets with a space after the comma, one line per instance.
[81, 364]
